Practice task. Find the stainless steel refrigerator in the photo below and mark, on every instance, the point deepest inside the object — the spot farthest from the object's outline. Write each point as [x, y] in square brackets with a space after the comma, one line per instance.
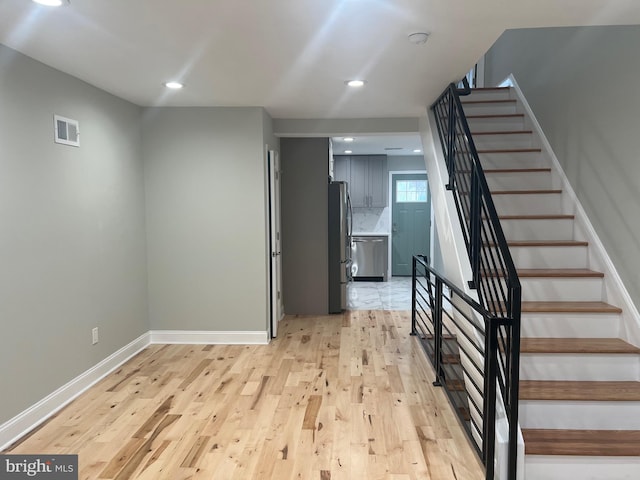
[340, 223]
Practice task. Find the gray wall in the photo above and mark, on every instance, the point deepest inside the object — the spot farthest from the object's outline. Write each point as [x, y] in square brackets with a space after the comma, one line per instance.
[205, 199]
[581, 84]
[331, 127]
[405, 162]
[305, 256]
[73, 232]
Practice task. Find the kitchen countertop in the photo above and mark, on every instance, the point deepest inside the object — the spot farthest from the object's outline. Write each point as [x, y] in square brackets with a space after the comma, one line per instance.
[370, 234]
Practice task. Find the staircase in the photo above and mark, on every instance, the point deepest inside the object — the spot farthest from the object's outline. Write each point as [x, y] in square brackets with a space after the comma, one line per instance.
[579, 390]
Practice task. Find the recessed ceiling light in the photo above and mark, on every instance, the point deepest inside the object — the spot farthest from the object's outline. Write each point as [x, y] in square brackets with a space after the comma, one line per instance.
[348, 151]
[173, 85]
[355, 83]
[417, 150]
[50, 3]
[348, 139]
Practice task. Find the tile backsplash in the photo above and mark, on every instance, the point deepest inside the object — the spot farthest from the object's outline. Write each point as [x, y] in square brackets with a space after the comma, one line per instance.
[371, 220]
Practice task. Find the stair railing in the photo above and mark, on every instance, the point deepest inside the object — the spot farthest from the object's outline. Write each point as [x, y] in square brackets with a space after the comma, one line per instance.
[494, 275]
[460, 338]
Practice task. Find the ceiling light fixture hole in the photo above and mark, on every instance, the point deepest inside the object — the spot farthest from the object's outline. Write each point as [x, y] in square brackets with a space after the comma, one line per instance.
[418, 38]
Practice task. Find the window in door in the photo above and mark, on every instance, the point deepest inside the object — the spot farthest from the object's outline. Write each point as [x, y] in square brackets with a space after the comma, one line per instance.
[411, 191]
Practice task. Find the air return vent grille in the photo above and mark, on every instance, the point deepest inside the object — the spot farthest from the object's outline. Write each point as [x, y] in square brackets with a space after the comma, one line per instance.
[67, 131]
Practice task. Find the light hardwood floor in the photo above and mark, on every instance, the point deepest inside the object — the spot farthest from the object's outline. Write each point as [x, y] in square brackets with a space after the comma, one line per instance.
[333, 397]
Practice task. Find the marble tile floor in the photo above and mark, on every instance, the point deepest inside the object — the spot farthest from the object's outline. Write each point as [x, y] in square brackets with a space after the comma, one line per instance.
[394, 294]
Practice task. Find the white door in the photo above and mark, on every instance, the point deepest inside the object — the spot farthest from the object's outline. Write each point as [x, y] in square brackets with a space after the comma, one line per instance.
[277, 305]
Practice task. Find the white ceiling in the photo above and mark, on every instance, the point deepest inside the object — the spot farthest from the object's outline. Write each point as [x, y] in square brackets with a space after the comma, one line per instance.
[290, 56]
[391, 145]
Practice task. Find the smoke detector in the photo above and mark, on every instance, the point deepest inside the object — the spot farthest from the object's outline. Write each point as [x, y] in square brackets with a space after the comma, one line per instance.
[418, 38]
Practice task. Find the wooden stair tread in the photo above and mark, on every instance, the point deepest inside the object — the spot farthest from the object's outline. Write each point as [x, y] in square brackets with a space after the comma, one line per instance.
[464, 413]
[588, 391]
[525, 192]
[510, 150]
[446, 336]
[455, 385]
[547, 243]
[537, 217]
[497, 115]
[569, 307]
[503, 132]
[485, 89]
[558, 273]
[581, 442]
[450, 358]
[553, 273]
[515, 170]
[476, 102]
[577, 345]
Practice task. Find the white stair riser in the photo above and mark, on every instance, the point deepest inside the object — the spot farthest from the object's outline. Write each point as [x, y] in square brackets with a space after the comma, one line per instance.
[528, 204]
[578, 366]
[489, 108]
[580, 415]
[511, 160]
[549, 257]
[549, 289]
[518, 180]
[521, 140]
[556, 467]
[495, 124]
[570, 325]
[502, 94]
[524, 229]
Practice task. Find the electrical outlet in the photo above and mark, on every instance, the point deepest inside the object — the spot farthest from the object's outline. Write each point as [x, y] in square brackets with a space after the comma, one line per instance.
[94, 336]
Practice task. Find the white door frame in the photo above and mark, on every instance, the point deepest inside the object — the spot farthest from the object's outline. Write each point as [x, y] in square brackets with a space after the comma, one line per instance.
[276, 304]
[390, 209]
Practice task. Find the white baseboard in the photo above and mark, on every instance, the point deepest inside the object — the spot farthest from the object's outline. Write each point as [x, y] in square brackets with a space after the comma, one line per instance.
[209, 337]
[30, 418]
[26, 421]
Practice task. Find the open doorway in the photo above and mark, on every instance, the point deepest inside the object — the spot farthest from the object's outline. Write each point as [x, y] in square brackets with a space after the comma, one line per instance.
[276, 304]
[372, 208]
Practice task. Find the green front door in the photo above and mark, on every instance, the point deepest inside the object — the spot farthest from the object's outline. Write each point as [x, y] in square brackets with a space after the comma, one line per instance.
[410, 221]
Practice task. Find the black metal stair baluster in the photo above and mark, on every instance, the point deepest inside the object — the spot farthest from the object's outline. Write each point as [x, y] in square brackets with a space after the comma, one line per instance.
[440, 376]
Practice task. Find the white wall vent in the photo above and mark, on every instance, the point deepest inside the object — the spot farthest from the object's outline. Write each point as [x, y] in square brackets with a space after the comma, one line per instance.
[67, 131]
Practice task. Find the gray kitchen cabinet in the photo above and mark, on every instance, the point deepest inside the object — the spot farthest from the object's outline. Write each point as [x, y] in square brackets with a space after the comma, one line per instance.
[359, 184]
[367, 178]
[378, 181]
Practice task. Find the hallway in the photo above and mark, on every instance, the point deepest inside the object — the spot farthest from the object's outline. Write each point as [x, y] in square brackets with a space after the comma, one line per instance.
[394, 294]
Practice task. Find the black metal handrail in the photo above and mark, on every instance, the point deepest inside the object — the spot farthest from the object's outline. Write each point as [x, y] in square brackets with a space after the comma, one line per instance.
[463, 341]
[494, 275]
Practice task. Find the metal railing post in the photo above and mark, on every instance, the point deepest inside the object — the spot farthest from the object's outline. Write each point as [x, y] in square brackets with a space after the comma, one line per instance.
[474, 227]
[413, 297]
[514, 385]
[489, 422]
[437, 331]
[451, 134]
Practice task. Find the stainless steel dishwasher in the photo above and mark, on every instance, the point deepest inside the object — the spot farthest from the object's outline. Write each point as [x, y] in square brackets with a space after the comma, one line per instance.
[369, 254]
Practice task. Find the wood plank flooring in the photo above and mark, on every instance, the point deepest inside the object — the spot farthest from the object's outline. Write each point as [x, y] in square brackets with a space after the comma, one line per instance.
[333, 397]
